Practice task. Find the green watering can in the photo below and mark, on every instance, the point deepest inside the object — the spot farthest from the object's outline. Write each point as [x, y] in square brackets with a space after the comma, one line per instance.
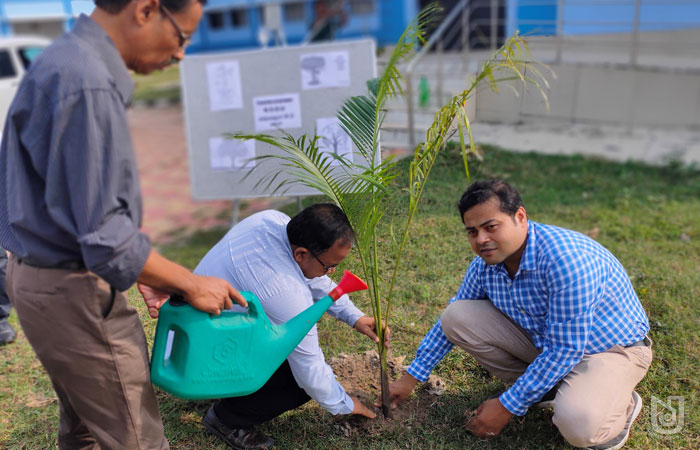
[199, 356]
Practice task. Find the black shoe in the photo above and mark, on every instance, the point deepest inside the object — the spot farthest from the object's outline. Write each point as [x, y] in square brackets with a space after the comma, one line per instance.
[7, 333]
[237, 438]
[547, 400]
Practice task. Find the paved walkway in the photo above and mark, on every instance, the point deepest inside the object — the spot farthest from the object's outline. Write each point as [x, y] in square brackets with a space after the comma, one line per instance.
[652, 145]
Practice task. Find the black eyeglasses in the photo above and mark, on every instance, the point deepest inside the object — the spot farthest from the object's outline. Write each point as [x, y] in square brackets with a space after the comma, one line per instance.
[184, 37]
[326, 269]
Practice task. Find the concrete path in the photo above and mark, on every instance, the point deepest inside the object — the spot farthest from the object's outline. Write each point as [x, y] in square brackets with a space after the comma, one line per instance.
[653, 145]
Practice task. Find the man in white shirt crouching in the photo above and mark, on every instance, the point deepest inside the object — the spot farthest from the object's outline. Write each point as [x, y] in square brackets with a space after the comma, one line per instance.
[285, 264]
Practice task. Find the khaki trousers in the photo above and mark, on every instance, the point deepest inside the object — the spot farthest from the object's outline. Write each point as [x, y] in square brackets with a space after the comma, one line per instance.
[593, 401]
[91, 343]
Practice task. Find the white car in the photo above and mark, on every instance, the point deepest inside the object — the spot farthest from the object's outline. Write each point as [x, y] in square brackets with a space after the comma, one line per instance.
[16, 54]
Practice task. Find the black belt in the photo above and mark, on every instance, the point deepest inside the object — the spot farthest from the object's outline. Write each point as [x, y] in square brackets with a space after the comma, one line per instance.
[66, 265]
[646, 342]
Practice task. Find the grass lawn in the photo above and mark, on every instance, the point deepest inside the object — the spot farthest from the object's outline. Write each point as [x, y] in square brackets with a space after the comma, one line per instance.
[647, 216]
[159, 85]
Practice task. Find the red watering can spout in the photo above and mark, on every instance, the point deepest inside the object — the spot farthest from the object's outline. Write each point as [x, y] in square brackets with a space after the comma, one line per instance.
[349, 283]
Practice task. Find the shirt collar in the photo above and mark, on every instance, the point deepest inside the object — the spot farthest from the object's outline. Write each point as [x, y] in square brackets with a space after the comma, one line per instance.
[89, 31]
[528, 259]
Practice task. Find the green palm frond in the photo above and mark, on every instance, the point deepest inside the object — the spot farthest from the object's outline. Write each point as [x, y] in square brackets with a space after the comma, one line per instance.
[413, 35]
[364, 191]
[359, 120]
[362, 117]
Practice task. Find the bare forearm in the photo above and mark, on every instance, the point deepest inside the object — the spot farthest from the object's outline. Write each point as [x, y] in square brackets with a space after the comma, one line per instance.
[208, 294]
[165, 275]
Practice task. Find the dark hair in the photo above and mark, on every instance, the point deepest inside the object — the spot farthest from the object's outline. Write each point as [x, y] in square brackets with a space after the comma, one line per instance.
[116, 6]
[481, 191]
[318, 227]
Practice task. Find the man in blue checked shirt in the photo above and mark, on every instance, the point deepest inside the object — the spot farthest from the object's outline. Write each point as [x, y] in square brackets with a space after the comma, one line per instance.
[550, 311]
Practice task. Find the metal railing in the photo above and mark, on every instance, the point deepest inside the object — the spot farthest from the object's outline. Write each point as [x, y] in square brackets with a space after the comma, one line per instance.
[436, 37]
[622, 39]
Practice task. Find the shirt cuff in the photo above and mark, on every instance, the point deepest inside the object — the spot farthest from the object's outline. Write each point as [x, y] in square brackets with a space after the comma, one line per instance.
[117, 252]
[348, 405]
[512, 403]
[354, 317]
[418, 371]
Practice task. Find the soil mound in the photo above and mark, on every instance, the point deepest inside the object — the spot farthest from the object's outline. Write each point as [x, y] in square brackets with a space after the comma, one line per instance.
[359, 375]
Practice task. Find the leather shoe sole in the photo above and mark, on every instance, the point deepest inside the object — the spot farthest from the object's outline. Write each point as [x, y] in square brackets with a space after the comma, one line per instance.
[236, 438]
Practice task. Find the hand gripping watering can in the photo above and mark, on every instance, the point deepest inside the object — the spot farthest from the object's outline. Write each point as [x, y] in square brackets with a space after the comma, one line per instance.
[198, 356]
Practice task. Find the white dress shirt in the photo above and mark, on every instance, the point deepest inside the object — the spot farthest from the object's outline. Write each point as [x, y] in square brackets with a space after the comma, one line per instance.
[255, 256]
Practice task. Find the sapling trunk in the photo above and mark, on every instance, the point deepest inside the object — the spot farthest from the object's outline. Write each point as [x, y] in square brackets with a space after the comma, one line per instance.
[384, 377]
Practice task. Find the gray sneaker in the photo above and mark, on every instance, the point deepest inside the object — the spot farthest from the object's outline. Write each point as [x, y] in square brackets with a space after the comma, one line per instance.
[619, 440]
[7, 333]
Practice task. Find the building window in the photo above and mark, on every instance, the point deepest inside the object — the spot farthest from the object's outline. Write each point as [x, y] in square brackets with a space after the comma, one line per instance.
[216, 20]
[361, 7]
[294, 12]
[239, 18]
[7, 69]
[261, 15]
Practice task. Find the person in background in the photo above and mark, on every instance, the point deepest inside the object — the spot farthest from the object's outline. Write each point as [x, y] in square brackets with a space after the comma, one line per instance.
[70, 211]
[7, 333]
[329, 17]
[549, 310]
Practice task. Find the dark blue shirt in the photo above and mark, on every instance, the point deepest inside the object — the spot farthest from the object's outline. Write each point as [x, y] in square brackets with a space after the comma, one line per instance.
[70, 189]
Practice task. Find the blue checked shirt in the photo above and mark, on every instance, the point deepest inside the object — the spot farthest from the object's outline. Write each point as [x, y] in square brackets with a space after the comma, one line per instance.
[570, 294]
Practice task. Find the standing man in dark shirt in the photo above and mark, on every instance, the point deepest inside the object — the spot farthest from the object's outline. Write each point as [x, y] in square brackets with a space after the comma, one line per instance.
[70, 211]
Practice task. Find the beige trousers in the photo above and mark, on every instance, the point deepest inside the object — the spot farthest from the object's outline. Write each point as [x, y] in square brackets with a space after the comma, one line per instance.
[91, 343]
[593, 401]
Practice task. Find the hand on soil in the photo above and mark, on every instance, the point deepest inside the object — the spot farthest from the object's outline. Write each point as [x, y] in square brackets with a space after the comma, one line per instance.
[361, 409]
[399, 390]
[489, 419]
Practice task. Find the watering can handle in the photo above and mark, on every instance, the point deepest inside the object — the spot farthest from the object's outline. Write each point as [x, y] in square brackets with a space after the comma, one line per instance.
[177, 300]
[254, 307]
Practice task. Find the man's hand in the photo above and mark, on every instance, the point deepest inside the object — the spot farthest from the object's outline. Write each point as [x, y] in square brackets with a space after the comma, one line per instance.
[153, 297]
[366, 326]
[213, 295]
[360, 409]
[399, 390]
[208, 294]
[490, 419]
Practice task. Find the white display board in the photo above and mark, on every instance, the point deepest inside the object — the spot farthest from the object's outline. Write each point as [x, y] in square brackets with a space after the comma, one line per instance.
[296, 89]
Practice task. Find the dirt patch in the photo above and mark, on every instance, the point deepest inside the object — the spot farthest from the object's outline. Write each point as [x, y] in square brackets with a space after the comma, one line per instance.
[359, 375]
